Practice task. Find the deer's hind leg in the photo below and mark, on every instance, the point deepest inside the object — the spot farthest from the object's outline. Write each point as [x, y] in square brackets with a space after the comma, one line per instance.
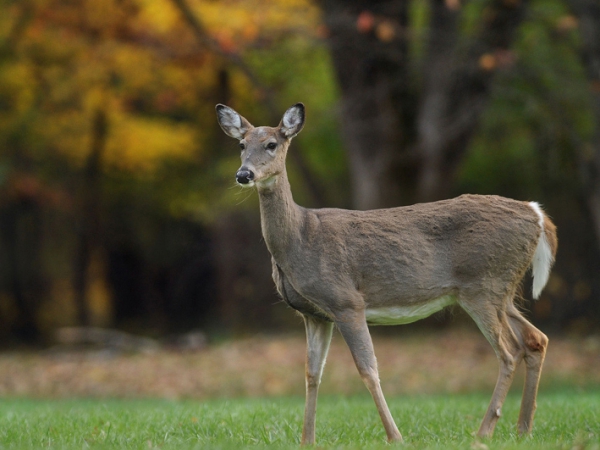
[534, 344]
[491, 317]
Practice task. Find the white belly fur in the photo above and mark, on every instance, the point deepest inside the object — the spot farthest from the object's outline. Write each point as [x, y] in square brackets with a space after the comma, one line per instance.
[398, 315]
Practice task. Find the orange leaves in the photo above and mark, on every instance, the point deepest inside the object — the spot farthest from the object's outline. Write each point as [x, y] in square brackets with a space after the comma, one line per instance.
[567, 23]
[499, 59]
[487, 62]
[100, 16]
[384, 29]
[365, 22]
[226, 41]
[250, 32]
[453, 5]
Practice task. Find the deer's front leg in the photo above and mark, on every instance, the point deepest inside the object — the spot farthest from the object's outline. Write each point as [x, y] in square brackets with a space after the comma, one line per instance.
[318, 338]
[355, 331]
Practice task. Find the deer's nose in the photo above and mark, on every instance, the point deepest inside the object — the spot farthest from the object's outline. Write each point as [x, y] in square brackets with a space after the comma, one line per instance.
[244, 176]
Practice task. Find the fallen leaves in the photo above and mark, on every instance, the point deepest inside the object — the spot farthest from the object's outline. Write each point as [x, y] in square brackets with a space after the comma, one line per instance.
[454, 362]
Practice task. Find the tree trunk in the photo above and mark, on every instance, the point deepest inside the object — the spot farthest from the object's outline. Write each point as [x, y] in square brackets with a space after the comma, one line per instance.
[89, 226]
[377, 102]
[405, 137]
[21, 226]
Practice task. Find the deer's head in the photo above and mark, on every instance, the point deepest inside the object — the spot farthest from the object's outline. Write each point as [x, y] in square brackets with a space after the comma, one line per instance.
[263, 148]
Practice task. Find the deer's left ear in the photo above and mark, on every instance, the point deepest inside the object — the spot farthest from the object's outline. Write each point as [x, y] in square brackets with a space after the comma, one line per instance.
[293, 121]
[232, 123]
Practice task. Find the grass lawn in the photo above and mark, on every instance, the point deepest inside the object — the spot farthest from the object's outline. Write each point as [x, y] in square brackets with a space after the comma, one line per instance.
[566, 419]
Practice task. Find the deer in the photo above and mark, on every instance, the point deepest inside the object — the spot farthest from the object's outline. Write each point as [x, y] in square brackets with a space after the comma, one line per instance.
[351, 269]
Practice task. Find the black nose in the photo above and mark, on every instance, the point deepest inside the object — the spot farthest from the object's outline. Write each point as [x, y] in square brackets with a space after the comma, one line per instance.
[244, 176]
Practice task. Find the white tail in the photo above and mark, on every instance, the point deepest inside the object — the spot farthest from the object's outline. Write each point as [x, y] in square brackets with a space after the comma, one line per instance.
[543, 257]
[351, 269]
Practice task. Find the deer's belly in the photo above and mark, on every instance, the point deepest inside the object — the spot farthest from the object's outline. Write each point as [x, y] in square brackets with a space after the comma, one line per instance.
[398, 315]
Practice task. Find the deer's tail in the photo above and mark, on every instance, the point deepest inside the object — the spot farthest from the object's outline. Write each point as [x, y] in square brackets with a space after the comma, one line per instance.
[544, 252]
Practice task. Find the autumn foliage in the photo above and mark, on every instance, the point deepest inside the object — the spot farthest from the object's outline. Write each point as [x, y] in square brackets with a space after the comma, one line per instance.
[117, 201]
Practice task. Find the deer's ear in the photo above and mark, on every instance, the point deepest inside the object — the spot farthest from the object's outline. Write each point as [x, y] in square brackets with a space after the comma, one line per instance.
[231, 122]
[293, 121]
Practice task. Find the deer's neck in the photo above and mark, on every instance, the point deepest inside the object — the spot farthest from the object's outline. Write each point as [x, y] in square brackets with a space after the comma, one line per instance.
[281, 218]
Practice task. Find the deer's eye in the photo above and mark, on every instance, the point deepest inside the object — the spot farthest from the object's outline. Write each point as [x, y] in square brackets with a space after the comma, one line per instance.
[242, 146]
[271, 146]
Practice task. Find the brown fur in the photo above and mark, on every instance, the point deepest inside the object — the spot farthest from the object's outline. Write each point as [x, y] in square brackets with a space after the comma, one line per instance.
[535, 341]
[550, 230]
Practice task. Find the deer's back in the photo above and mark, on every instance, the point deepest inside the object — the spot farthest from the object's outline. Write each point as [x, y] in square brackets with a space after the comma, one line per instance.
[422, 251]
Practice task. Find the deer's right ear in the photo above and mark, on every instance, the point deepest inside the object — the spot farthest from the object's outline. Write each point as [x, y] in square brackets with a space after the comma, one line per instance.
[293, 121]
[231, 122]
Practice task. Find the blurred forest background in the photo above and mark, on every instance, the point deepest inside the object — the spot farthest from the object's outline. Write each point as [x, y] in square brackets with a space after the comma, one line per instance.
[118, 206]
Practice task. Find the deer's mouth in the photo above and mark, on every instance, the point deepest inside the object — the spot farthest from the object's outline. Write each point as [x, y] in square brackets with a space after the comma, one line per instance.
[246, 185]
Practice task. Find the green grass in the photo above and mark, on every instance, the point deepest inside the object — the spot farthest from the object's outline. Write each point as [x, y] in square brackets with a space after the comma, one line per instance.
[565, 420]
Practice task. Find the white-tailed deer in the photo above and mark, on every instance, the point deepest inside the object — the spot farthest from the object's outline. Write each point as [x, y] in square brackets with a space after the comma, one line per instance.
[352, 269]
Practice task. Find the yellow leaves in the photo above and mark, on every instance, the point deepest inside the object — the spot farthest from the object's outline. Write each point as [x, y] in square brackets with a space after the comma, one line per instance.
[138, 60]
[135, 66]
[159, 15]
[242, 22]
[94, 99]
[16, 92]
[139, 144]
[133, 143]
[234, 24]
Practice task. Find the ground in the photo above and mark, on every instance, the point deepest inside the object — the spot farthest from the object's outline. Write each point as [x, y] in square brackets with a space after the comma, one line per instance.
[455, 361]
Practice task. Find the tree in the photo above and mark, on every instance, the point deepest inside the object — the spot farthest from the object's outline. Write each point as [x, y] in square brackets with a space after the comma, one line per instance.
[111, 169]
[588, 15]
[409, 112]
[483, 97]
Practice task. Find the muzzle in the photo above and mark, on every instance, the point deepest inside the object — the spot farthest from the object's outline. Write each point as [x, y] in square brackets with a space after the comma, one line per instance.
[244, 176]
